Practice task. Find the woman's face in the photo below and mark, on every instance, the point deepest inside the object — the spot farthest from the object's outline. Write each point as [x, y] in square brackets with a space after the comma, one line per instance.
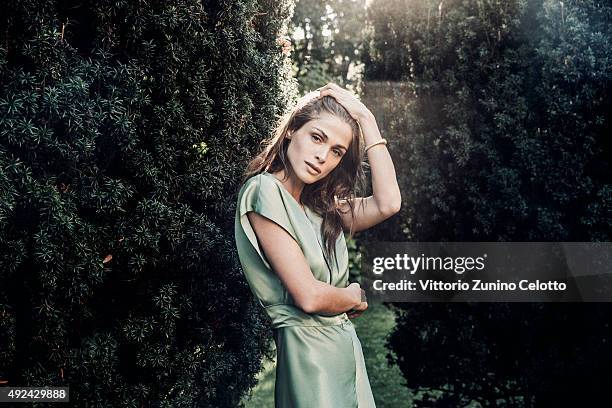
[317, 147]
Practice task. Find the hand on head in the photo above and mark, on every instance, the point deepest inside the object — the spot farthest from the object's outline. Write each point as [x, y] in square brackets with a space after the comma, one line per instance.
[347, 99]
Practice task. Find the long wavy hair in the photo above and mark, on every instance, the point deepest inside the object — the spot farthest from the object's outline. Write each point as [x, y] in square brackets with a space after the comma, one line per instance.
[342, 183]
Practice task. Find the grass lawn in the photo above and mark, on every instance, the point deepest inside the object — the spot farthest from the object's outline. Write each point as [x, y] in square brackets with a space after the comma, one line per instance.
[387, 382]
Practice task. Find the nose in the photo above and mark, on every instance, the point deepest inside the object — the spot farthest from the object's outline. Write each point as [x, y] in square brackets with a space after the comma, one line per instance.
[321, 155]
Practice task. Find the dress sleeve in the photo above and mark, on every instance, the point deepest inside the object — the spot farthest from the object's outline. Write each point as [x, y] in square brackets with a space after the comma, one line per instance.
[263, 196]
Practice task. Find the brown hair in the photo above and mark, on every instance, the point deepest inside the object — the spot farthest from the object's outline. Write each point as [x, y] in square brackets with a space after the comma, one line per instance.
[342, 183]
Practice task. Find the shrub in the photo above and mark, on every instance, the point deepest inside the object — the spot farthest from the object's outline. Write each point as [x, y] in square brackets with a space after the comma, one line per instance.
[124, 131]
[499, 129]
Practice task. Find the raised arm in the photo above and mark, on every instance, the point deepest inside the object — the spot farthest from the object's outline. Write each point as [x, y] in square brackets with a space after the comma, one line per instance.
[288, 261]
[386, 199]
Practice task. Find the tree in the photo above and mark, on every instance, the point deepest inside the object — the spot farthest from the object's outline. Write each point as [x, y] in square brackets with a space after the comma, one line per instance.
[124, 131]
[501, 137]
[328, 38]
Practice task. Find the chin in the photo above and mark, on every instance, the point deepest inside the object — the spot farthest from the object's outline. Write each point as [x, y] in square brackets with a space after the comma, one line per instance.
[309, 178]
[305, 177]
[314, 179]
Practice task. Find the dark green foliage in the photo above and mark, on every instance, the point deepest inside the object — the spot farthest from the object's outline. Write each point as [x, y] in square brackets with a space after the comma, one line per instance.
[124, 131]
[500, 133]
[327, 37]
[507, 355]
[502, 122]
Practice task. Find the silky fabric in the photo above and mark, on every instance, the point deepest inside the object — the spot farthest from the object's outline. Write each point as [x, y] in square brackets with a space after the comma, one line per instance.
[319, 358]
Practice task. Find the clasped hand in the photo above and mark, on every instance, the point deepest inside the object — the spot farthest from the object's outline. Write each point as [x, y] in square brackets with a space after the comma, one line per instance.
[358, 310]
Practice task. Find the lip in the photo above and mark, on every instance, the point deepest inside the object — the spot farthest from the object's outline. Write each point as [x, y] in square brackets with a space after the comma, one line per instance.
[315, 168]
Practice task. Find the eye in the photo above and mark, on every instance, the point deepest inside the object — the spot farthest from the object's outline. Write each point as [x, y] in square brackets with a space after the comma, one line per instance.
[316, 137]
[338, 153]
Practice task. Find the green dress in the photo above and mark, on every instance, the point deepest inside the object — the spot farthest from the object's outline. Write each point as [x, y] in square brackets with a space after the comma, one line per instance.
[319, 358]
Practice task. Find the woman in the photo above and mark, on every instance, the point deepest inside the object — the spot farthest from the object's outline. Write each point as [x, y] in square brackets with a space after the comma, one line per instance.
[297, 199]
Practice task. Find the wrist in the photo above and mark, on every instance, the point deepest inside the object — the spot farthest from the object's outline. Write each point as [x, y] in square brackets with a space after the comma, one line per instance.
[381, 142]
[369, 130]
[366, 118]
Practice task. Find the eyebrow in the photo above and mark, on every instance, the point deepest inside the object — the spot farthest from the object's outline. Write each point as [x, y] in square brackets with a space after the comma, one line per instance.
[327, 137]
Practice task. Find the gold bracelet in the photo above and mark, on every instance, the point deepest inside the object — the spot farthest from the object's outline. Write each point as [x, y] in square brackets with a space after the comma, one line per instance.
[381, 141]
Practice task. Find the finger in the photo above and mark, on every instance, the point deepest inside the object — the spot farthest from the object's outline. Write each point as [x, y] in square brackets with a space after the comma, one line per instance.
[343, 100]
[334, 94]
[325, 92]
[334, 87]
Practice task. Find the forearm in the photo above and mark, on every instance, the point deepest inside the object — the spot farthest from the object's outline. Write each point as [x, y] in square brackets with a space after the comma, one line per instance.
[330, 300]
[385, 189]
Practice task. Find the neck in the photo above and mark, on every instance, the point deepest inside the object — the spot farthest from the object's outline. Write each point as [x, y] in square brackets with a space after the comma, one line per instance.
[293, 185]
